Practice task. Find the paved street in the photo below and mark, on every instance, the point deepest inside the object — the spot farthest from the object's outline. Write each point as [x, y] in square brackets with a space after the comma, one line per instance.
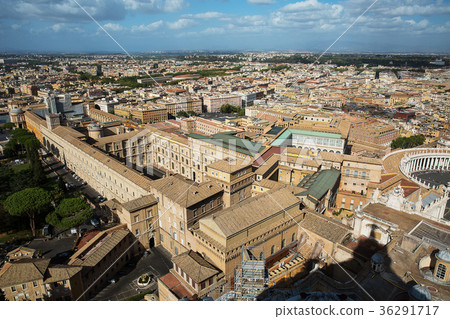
[53, 247]
[157, 263]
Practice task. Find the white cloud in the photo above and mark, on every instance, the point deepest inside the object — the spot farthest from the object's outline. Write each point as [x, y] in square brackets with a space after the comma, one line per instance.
[69, 11]
[147, 27]
[155, 6]
[57, 27]
[181, 24]
[401, 8]
[113, 27]
[213, 31]
[61, 27]
[206, 15]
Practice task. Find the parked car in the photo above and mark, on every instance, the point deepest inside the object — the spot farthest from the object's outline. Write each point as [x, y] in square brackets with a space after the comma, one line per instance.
[100, 199]
[46, 230]
[95, 222]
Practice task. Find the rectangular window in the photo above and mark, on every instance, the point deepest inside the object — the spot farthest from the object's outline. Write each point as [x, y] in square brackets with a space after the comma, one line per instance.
[440, 272]
[13, 289]
[24, 286]
[137, 232]
[136, 218]
[35, 284]
[202, 286]
[161, 237]
[211, 280]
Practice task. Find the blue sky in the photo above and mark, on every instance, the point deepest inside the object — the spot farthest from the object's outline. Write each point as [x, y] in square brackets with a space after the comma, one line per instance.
[151, 25]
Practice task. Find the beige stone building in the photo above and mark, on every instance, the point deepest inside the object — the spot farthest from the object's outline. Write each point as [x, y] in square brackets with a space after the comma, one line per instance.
[181, 203]
[104, 173]
[234, 176]
[141, 217]
[35, 279]
[356, 174]
[102, 256]
[267, 222]
[191, 277]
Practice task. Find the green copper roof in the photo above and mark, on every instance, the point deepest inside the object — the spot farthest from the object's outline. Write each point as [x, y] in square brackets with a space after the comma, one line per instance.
[318, 184]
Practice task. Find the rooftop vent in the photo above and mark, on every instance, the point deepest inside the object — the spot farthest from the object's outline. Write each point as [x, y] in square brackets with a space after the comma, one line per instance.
[195, 192]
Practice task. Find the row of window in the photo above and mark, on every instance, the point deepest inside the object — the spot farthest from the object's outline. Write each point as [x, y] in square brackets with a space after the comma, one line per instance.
[283, 244]
[355, 173]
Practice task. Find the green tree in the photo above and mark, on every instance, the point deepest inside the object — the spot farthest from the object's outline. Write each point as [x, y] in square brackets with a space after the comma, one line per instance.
[6, 175]
[191, 113]
[408, 142]
[8, 126]
[69, 213]
[182, 114]
[30, 201]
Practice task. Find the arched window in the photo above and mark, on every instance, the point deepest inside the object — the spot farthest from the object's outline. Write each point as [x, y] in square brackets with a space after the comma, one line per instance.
[283, 243]
[272, 250]
[293, 237]
[261, 255]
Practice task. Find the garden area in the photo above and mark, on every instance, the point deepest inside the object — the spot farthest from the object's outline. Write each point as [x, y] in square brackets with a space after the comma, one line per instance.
[28, 198]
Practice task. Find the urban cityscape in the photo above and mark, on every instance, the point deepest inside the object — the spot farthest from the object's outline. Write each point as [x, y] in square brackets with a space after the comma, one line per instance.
[223, 173]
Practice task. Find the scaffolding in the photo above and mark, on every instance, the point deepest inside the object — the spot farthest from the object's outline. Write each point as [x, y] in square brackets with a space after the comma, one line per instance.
[250, 277]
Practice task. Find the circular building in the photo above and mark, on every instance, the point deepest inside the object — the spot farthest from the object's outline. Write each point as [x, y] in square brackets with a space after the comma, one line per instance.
[94, 131]
[441, 270]
[376, 263]
[17, 117]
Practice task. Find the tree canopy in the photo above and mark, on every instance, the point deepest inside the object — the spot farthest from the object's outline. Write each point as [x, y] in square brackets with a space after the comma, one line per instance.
[408, 142]
[8, 126]
[182, 114]
[228, 108]
[24, 143]
[69, 213]
[30, 201]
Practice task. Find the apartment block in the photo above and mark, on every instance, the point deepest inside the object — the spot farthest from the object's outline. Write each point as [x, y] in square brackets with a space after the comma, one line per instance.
[234, 176]
[181, 203]
[214, 103]
[191, 278]
[373, 132]
[36, 279]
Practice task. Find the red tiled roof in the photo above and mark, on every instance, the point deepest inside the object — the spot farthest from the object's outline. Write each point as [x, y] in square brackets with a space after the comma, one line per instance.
[176, 287]
[386, 177]
[262, 159]
[86, 237]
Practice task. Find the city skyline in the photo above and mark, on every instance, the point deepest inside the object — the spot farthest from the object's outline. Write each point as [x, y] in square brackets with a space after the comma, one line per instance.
[146, 26]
